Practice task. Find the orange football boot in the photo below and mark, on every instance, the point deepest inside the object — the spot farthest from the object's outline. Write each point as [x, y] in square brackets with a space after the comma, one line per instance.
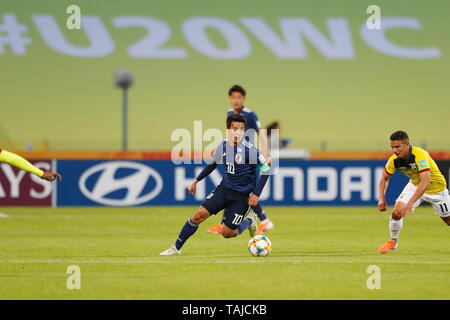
[267, 225]
[385, 248]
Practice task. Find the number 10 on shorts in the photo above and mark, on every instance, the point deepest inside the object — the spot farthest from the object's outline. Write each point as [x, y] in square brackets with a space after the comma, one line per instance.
[237, 219]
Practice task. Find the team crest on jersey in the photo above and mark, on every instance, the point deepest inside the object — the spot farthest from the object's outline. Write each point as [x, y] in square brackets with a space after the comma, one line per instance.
[403, 169]
[238, 158]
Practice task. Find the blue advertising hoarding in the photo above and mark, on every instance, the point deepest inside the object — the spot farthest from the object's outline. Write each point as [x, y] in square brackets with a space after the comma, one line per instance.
[161, 182]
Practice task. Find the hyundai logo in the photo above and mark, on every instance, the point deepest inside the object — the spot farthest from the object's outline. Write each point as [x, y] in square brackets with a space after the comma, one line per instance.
[107, 182]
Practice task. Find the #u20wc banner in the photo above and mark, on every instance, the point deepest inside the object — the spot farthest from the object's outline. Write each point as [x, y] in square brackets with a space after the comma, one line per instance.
[148, 183]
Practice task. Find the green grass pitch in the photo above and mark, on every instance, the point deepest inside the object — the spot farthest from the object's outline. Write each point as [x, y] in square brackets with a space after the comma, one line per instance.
[318, 253]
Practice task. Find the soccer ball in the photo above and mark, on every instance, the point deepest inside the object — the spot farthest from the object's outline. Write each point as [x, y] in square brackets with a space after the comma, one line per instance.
[259, 246]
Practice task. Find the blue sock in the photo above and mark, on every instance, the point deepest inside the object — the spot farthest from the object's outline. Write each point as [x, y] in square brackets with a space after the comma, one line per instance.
[188, 230]
[244, 225]
[259, 212]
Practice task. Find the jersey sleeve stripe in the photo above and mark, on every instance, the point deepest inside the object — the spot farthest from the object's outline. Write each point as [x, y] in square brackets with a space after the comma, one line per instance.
[385, 170]
[424, 170]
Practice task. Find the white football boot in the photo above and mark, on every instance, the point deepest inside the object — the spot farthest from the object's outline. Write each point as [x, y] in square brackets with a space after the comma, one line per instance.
[172, 251]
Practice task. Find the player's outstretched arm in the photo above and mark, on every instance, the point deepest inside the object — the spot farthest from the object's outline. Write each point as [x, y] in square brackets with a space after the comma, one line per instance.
[205, 172]
[23, 164]
[254, 198]
[382, 186]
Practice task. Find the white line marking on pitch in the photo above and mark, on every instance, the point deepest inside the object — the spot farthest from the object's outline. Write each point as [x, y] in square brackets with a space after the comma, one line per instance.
[212, 262]
[3, 215]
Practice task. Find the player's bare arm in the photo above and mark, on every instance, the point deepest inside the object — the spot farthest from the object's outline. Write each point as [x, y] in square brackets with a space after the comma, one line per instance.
[421, 188]
[51, 176]
[382, 186]
[205, 172]
[253, 200]
[193, 187]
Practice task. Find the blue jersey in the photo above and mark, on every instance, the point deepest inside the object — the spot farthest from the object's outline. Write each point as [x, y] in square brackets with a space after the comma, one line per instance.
[252, 121]
[241, 164]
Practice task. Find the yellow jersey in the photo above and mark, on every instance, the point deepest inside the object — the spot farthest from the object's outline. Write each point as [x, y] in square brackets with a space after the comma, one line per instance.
[418, 161]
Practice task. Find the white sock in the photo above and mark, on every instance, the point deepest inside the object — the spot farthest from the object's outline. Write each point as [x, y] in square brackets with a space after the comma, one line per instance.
[394, 228]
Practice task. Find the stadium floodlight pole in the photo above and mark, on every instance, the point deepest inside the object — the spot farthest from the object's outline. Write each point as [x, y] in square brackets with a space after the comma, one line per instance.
[123, 79]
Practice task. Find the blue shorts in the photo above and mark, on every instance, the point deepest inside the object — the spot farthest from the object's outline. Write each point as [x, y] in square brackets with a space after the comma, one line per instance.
[235, 204]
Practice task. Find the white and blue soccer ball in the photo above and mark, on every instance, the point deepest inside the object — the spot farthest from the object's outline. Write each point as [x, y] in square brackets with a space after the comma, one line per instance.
[259, 246]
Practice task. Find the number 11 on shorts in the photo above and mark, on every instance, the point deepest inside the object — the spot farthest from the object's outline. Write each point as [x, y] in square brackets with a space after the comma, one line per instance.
[444, 208]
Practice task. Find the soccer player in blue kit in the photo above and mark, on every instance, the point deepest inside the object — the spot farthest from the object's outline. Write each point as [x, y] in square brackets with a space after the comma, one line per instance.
[237, 191]
[237, 95]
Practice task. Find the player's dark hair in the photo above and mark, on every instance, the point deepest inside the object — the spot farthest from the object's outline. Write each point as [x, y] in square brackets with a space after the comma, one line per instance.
[236, 118]
[399, 136]
[237, 88]
[273, 125]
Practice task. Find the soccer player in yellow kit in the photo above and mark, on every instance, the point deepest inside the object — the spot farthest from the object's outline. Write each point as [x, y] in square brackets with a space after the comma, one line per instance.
[426, 184]
[21, 163]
